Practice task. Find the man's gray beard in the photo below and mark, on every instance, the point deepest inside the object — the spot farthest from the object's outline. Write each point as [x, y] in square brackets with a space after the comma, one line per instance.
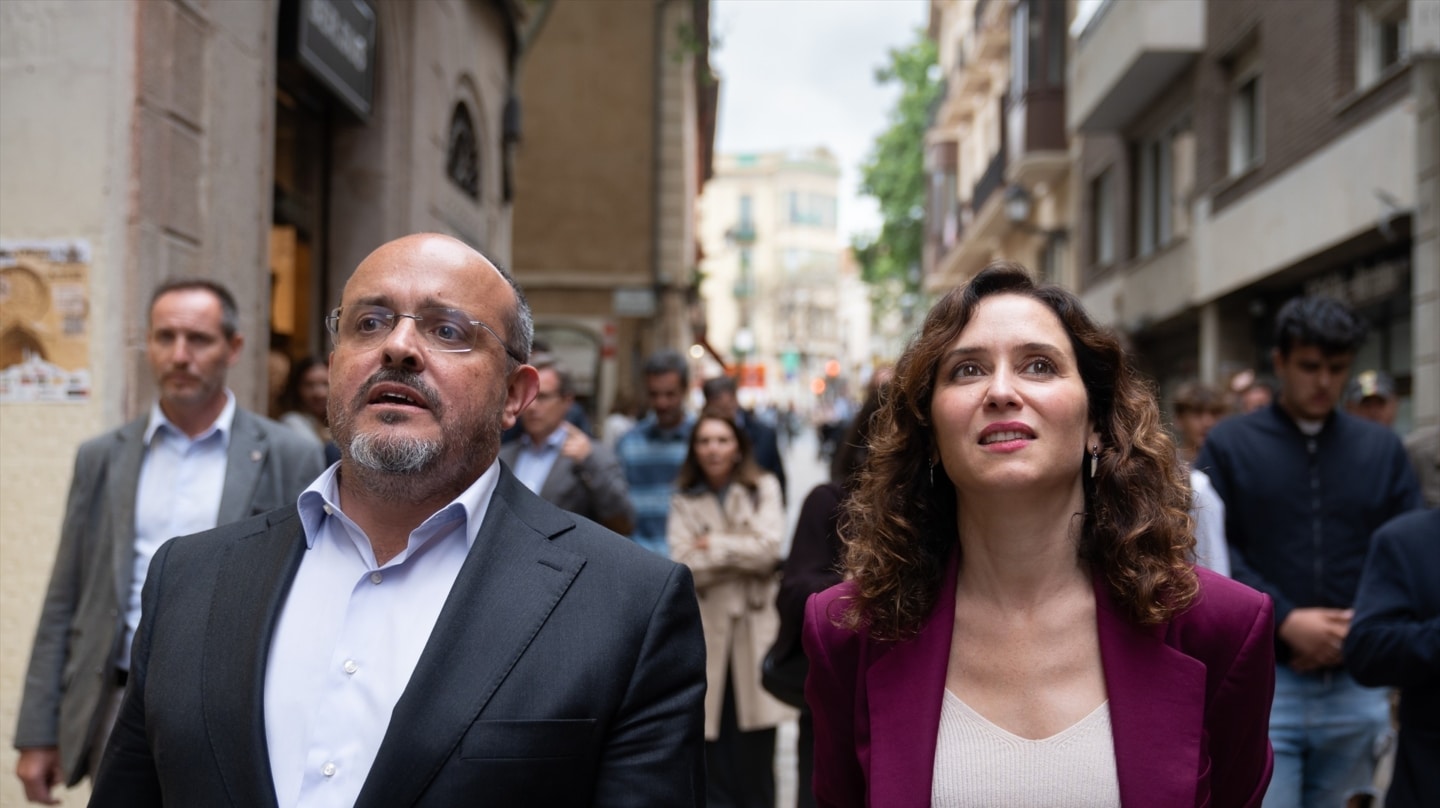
[400, 456]
[414, 468]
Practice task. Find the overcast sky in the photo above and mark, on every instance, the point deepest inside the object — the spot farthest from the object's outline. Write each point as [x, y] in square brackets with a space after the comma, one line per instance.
[801, 73]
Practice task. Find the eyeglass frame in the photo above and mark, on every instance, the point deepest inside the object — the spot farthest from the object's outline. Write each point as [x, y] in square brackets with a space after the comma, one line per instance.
[332, 324]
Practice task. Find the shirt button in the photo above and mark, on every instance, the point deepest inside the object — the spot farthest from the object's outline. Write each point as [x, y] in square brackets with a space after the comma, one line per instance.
[329, 511]
[350, 666]
[328, 770]
[376, 577]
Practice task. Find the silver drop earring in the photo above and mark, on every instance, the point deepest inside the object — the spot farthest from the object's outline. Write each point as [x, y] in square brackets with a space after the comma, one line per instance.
[1094, 459]
[932, 475]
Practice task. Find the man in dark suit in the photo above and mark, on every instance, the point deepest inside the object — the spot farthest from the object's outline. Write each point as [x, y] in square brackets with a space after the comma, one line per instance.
[422, 629]
[193, 461]
[558, 461]
[720, 394]
[1394, 641]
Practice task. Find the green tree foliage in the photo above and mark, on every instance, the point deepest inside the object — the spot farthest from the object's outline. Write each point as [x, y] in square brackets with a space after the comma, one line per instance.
[894, 174]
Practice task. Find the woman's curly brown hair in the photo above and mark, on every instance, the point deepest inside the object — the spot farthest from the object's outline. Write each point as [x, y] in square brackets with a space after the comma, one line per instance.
[899, 530]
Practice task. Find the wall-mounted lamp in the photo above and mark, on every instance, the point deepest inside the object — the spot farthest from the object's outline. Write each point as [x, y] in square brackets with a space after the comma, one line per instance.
[1018, 206]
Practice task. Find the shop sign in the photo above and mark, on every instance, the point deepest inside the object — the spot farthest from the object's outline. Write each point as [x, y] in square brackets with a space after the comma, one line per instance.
[1364, 285]
[336, 43]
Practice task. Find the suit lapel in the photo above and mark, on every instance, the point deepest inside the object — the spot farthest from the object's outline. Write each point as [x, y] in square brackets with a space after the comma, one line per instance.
[244, 608]
[1157, 705]
[506, 590]
[906, 686]
[244, 458]
[128, 454]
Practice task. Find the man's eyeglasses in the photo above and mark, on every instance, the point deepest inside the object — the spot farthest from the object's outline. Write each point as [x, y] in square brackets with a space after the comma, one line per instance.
[444, 330]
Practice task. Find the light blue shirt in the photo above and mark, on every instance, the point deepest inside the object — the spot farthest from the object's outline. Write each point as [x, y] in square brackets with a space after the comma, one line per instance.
[178, 493]
[533, 463]
[349, 636]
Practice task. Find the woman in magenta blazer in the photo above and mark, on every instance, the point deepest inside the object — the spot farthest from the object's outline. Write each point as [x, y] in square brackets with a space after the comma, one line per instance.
[1020, 624]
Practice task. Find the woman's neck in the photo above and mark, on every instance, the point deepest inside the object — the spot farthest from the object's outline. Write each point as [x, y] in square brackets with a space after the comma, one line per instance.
[1019, 553]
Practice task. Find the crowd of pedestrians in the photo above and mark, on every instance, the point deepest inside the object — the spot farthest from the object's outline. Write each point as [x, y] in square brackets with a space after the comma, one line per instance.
[1022, 585]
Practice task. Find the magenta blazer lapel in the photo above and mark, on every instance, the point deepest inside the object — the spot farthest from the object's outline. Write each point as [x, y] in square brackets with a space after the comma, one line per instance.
[1157, 702]
[906, 687]
[1157, 708]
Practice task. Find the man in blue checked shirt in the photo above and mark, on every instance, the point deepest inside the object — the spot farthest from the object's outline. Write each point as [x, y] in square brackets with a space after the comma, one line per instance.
[652, 452]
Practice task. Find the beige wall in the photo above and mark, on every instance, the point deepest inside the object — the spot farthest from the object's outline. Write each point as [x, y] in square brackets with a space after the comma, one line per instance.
[67, 85]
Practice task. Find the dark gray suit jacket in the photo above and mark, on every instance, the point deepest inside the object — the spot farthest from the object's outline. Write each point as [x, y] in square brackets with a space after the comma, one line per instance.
[567, 667]
[595, 489]
[82, 624]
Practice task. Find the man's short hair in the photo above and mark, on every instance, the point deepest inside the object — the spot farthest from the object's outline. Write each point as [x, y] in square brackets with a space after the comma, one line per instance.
[668, 361]
[229, 312]
[567, 382]
[718, 385]
[1323, 322]
[519, 323]
[1199, 397]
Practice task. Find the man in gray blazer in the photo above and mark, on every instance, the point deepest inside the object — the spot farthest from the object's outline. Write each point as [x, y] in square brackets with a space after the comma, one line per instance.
[558, 461]
[195, 461]
[420, 629]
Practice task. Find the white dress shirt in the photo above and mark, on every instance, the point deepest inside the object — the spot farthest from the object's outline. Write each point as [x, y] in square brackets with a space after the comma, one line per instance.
[533, 463]
[178, 493]
[349, 637]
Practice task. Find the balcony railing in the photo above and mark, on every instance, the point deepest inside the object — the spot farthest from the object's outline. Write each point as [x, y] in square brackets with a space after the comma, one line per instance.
[990, 181]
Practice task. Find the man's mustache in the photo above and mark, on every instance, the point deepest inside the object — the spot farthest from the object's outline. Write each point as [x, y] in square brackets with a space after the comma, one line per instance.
[408, 378]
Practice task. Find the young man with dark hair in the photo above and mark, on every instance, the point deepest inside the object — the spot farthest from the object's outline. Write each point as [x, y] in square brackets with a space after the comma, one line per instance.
[1305, 486]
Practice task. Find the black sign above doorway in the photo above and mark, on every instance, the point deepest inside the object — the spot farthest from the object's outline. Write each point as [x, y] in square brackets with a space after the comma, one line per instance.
[335, 41]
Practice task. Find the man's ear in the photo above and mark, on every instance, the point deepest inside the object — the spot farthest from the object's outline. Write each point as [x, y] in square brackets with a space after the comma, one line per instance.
[237, 344]
[1277, 361]
[524, 384]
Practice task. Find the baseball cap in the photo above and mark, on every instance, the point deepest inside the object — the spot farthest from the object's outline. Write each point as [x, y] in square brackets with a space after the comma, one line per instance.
[1369, 383]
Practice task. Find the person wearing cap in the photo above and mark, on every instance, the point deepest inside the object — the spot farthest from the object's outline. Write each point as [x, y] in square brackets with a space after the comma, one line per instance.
[1371, 395]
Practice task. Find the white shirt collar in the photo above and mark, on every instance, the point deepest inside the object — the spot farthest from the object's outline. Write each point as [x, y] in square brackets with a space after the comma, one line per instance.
[321, 498]
[222, 424]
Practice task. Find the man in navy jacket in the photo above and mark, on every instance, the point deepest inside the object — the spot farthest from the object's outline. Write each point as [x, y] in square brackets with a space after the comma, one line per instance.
[1305, 486]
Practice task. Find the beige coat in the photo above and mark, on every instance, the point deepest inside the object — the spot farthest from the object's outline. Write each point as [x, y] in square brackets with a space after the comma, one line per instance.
[735, 579]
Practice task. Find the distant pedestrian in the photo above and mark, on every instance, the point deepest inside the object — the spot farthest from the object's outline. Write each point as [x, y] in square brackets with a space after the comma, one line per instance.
[1198, 407]
[1371, 395]
[624, 413]
[651, 453]
[727, 523]
[1305, 486]
[557, 460]
[721, 395]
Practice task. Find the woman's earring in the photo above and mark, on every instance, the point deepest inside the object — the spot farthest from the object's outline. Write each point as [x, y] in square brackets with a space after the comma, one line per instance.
[1094, 459]
[932, 475]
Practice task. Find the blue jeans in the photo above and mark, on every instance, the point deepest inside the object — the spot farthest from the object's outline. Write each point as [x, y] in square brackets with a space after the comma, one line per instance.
[1327, 732]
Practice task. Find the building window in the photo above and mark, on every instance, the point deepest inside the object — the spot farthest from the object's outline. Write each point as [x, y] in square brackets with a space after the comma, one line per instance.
[462, 153]
[1102, 218]
[1382, 39]
[811, 209]
[1165, 180]
[1020, 48]
[1246, 125]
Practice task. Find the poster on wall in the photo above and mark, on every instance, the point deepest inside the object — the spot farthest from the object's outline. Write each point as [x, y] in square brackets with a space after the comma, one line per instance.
[45, 321]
